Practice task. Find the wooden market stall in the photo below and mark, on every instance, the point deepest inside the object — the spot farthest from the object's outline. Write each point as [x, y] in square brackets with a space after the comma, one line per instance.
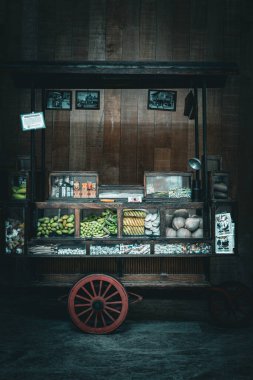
[148, 257]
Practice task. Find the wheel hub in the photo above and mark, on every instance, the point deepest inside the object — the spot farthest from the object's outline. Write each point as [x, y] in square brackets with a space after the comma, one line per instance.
[97, 305]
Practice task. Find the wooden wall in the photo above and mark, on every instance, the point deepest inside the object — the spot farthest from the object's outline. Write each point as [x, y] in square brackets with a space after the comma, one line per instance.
[123, 138]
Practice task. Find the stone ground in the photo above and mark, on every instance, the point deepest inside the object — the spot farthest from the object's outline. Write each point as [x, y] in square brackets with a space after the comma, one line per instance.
[161, 339]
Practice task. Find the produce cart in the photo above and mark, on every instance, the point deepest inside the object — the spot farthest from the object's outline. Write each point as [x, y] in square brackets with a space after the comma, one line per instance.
[143, 246]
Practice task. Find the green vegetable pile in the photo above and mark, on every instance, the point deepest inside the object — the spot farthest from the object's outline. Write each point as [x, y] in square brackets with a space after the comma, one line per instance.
[99, 226]
[56, 226]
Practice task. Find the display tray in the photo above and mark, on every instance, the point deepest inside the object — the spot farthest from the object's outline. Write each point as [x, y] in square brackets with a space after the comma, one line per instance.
[19, 185]
[219, 185]
[171, 186]
[124, 193]
[73, 185]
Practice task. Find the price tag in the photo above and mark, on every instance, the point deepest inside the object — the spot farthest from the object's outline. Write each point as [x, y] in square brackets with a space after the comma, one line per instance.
[32, 121]
[137, 198]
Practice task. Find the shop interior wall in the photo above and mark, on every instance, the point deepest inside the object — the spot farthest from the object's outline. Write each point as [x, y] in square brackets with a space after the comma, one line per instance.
[123, 138]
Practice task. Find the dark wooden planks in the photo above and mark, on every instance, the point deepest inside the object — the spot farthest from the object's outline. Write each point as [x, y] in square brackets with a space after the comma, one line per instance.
[110, 164]
[181, 30]
[29, 30]
[95, 136]
[198, 30]
[80, 30]
[179, 135]
[180, 51]
[46, 29]
[77, 144]
[63, 30]
[145, 140]
[128, 137]
[147, 29]
[130, 33]
[60, 142]
[164, 28]
[113, 34]
[163, 119]
[97, 30]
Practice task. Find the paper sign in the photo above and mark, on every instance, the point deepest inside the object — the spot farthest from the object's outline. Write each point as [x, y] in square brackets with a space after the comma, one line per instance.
[32, 121]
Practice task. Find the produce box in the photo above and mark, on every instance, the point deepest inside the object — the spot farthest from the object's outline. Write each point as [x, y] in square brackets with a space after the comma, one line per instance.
[170, 186]
[219, 185]
[73, 185]
[184, 223]
[55, 223]
[19, 185]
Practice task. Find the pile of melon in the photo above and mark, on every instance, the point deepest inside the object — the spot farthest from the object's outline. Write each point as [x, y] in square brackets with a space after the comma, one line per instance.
[182, 224]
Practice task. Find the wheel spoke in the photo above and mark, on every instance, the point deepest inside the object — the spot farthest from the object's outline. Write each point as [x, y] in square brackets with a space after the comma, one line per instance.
[107, 289]
[84, 311]
[103, 319]
[114, 303]
[89, 317]
[100, 287]
[82, 304]
[109, 316]
[87, 292]
[96, 320]
[93, 289]
[111, 295]
[112, 309]
[82, 298]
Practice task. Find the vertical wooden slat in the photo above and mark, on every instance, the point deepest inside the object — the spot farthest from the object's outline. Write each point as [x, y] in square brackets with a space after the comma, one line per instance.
[131, 30]
[97, 30]
[46, 30]
[13, 26]
[215, 30]
[164, 27]
[198, 29]
[113, 34]
[128, 137]
[179, 151]
[49, 119]
[163, 119]
[110, 172]
[147, 29]
[60, 146]
[181, 30]
[77, 141]
[230, 100]
[145, 142]
[95, 136]
[80, 30]
[63, 30]
[29, 30]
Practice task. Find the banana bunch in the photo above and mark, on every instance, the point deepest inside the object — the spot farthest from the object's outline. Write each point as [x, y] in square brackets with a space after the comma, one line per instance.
[99, 226]
[56, 226]
[19, 192]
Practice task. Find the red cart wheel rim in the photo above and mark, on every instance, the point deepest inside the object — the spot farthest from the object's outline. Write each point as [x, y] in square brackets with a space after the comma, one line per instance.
[98, 304]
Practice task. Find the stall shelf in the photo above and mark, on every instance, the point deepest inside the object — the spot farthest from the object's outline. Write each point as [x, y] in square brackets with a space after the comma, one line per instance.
[155, 268]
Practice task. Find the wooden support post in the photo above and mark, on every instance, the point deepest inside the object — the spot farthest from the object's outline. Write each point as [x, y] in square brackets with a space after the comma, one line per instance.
[43, 148]
[32, 143]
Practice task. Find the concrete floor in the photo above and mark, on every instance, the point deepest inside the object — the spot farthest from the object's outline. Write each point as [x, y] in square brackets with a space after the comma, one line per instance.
[161, 339]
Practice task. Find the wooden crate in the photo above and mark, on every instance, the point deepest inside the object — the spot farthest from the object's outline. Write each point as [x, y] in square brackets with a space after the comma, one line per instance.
[73, 185]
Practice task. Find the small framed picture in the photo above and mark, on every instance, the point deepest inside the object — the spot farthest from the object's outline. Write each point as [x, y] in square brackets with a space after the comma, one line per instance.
[164, 100]
[58, 100]
[87, 100]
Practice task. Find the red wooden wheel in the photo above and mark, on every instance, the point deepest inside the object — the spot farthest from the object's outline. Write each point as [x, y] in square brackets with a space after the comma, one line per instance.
[98, 304]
